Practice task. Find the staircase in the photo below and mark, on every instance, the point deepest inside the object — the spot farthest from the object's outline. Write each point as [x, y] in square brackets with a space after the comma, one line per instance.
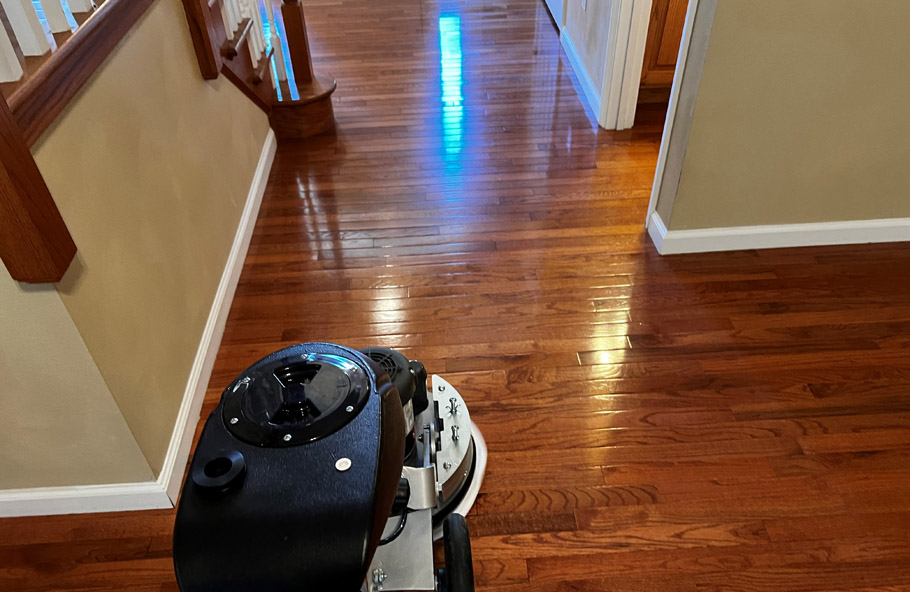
[263, 49]
[49, 49]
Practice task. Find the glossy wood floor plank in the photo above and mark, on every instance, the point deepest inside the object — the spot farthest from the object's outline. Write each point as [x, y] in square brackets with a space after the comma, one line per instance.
[715, 422]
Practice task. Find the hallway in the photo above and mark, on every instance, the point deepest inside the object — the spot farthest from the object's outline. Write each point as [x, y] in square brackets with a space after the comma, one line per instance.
[719, 422]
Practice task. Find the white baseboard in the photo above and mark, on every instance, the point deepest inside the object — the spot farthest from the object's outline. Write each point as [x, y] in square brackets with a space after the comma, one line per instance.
[163, 492]
[774, 236]
[81, 499]
[171, 476]
[587, 85]
[657, 231]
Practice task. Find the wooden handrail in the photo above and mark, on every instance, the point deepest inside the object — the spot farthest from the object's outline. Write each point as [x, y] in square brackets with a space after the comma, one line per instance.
[41, 98]
[35, 244]
[202, 31]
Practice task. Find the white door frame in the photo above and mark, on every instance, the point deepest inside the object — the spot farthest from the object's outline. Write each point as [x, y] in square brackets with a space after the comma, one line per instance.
[628, 36]
[559, 19]
[615, 101]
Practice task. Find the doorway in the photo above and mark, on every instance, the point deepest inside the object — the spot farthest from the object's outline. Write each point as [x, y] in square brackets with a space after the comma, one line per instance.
[623, 52]
[665, 29]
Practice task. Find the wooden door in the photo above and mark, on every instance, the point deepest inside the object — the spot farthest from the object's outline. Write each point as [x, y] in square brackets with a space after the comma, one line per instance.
[664, 34]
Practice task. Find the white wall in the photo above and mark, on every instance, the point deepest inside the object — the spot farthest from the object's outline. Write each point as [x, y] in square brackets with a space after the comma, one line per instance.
[589, 30]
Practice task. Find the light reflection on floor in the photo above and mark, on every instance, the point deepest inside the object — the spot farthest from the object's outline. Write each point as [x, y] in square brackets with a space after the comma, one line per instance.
[452, 82]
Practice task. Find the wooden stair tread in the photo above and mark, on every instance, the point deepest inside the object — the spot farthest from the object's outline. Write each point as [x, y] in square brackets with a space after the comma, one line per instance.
[322, 86]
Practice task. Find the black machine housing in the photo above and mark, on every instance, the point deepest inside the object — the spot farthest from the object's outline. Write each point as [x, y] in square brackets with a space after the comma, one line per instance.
[294, 476]
[410, 380]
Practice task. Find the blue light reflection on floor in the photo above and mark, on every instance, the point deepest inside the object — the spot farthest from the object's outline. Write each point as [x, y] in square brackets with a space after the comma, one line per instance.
[452, 82]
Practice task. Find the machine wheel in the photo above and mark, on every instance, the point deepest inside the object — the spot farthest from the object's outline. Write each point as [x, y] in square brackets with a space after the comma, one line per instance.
[459, 573]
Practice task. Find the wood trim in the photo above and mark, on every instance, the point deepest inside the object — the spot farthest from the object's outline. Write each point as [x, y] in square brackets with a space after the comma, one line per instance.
[614, 63]
[657, 230]
[202, 31]
[615, 102]
[82, 499]
[35, 245]
[242, 78]
[635, 55]
[38, 102]
[588, 87]
[776, 236]
[217, 54]
[313, 114]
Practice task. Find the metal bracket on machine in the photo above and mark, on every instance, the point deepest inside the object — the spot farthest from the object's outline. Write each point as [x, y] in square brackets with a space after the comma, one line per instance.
[423, 487]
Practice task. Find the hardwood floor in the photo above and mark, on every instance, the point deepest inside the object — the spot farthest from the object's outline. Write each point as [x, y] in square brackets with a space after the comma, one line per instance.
[718, 422]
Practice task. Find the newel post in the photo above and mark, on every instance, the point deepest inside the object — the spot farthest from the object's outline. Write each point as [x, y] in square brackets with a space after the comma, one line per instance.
[312, 112]
[298, 42]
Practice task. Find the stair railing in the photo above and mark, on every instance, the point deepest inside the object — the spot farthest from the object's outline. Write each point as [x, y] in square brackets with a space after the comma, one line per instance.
[54, 48]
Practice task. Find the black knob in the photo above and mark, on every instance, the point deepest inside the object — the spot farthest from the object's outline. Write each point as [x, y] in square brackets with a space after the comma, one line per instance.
[220, 473]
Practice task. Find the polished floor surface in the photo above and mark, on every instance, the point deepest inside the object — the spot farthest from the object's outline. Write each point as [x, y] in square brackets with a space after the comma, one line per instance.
[722, 422]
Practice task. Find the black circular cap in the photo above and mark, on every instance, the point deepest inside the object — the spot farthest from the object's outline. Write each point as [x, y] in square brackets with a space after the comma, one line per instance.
[297, 395]
[221, 472]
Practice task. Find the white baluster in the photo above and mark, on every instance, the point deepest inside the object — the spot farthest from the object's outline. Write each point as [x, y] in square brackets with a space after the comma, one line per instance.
[26, 27]
[258, 40]
[10, 68]
[246, 13]
[260, 33]
[225, 17]
[243, 10]
[234, 14]
[78, 6]
[275, 41]
[56, 18]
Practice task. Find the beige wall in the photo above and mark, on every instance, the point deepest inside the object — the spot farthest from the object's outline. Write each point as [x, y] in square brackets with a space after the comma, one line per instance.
[801, 116]
[61, 424]
[589, 31]
[150, 168]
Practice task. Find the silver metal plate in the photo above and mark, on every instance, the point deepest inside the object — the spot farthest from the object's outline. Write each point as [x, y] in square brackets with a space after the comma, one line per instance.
[407, 562]
[423, 487]
[453, 458]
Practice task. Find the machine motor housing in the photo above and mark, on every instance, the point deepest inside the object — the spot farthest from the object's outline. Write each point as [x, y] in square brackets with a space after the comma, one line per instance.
[294, 476]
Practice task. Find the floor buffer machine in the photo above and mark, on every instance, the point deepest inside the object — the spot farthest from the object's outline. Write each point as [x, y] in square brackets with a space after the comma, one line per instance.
[325, 468]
